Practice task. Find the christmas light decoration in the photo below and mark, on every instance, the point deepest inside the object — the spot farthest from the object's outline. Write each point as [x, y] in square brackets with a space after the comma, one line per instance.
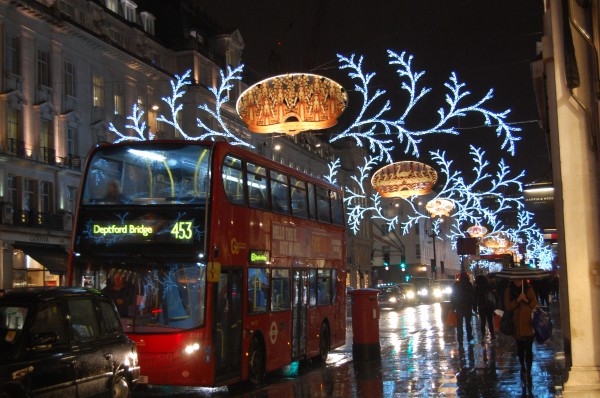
[497, 241]
[477, 231]
[370, 122]
[404, 179]
[478, 198]
[292, 103]
[440, 207]
[178, 91]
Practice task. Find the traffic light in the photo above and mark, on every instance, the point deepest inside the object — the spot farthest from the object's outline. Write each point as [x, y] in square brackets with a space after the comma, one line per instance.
[386, 259]
[403, 262]
[433, 265]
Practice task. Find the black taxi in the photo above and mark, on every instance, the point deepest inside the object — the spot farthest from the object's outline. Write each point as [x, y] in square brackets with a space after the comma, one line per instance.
[63, 342]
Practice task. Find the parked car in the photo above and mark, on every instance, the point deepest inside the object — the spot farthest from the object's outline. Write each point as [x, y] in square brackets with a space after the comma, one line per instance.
[410, 293]
[64, 342]
[390, 296]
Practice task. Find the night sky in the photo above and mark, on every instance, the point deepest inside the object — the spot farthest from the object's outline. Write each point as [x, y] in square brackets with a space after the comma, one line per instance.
[488, 43]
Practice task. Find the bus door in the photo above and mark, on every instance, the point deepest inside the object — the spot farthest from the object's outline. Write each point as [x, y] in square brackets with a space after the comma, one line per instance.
[299, 312]
[227, 330]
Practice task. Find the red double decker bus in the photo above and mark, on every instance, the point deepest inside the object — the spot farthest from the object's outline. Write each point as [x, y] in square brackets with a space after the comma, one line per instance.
[224, 265]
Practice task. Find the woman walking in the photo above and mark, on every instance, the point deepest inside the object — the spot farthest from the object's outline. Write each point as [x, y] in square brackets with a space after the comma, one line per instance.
[520, 299]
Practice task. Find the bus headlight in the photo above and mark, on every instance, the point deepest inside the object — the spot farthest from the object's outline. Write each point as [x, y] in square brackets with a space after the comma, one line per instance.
[191, 348]
[437, 293]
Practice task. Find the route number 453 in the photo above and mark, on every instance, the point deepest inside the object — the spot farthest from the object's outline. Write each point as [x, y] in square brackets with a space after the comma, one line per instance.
[182, 230]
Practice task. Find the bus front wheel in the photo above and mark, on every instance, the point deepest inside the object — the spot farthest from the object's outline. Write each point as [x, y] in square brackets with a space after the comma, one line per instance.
[324, 343]
[256, 362]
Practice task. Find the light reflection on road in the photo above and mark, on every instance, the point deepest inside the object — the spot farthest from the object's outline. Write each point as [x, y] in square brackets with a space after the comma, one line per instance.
[420, 358]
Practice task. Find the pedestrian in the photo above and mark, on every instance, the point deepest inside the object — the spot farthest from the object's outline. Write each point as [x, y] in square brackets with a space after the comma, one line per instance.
[463, 302]
[486, 301]
[120, 292]
[519, 298]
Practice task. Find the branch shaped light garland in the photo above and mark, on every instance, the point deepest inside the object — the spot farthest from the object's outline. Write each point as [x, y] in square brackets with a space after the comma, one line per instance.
[178, 85]
[370, 122]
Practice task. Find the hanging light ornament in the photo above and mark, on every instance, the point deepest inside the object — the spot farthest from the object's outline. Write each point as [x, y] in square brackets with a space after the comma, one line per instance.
[477, 231]
[497, 241]
[404, 179]
[292, 103]
[440, 207]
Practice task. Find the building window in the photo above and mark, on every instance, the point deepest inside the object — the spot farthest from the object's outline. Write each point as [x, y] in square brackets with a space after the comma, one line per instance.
[47, 142]
[141, 102]
[118, 100]
[418, 250]
[43, 63]
[71, 141]
[129, 8]
[69, 78]
[14, 124]
[13, 191]
[12, 62]
[98, 91]
[66, 8]
[148, 22]
[113, 5]
[71, 198]
[417, 228]
[46, 197]
[29, 202]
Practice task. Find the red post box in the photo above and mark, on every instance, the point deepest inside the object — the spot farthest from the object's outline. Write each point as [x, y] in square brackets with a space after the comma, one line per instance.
[365, 324]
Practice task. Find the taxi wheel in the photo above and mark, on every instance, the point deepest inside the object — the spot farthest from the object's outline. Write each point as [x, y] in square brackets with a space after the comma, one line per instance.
[256, 362]
[120, 387]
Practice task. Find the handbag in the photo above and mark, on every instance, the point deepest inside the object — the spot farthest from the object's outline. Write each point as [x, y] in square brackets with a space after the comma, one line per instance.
[542, 325]
[507, 323]
[451, 319]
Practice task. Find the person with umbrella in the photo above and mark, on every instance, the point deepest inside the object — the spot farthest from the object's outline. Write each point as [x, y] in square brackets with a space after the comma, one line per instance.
[519, 298]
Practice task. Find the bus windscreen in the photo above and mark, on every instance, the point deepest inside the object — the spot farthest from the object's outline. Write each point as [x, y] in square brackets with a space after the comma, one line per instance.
[146, 176]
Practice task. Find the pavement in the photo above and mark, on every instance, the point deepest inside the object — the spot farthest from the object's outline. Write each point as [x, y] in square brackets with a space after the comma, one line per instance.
[424, 359]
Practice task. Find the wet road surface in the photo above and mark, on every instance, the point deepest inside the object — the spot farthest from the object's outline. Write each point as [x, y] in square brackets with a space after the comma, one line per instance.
[419, 358]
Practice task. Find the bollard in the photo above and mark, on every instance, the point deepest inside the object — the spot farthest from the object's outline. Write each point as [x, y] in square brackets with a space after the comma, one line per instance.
[365, 324]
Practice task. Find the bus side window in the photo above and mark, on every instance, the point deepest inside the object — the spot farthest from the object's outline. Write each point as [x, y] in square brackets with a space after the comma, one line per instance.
[257, 186]
[280, 289]
[337, 208]
[258, 289]
[312, 287]
[233, 180]
[324, 287]
[299, 198]
[324, 214]
[312, 205]
[280, 193]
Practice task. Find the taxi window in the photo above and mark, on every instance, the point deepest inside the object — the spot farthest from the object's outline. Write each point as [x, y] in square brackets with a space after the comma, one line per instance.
[84, 322]
[48, 320]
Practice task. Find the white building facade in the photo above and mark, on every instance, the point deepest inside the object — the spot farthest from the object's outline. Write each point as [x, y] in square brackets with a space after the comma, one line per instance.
[69, 69]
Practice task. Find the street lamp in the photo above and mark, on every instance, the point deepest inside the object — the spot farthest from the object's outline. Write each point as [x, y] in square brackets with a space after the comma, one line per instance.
[437, 208]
